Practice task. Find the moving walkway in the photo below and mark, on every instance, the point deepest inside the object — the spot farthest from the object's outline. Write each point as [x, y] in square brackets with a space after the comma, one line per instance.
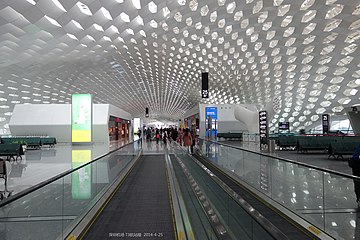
[133, 195]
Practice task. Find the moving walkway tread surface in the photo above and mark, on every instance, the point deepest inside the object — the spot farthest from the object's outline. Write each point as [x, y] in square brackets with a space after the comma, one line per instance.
[291, 231]
[140, 209]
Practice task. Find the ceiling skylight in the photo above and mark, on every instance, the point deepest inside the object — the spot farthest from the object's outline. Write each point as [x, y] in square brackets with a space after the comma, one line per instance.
[153, 7]
[106, 13]
[58, 5]
[98, 27]
[52, 21]
[84, 9]
[136, 4]
[125, 17]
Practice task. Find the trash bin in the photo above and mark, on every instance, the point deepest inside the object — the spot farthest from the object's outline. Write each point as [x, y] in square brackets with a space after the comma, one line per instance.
[271, 146]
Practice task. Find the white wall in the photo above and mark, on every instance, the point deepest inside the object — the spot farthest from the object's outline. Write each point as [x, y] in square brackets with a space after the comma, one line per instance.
[191, 112]
[226, 118]
[42, 119]
[55, 120]
[117, 112]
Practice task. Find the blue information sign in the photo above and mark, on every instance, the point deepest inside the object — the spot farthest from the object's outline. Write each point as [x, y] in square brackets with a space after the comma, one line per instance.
[211, 111]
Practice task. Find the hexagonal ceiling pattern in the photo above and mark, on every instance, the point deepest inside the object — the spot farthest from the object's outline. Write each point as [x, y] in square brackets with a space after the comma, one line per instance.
[137, 54]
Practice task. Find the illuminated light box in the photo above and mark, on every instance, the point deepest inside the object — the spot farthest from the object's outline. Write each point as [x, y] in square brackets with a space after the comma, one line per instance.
[136, 125]
[81, 179]
[81, 118]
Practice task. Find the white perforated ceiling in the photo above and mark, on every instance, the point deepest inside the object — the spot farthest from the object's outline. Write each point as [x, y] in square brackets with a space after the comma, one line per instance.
[137, 54]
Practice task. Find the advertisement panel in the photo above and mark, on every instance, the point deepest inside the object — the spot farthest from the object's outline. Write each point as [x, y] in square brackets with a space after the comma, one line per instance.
[81, 179]
[211, 111]
[81, 118]
[136, 125]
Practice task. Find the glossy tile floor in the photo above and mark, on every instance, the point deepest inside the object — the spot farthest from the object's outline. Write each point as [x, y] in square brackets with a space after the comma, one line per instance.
[40, 165]
[315, 158]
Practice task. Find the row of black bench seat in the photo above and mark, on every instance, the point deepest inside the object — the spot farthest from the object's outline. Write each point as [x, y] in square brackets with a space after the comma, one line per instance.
[32, 142]
[230, 135]
[10, 150]
[336, 146]
[12, 147]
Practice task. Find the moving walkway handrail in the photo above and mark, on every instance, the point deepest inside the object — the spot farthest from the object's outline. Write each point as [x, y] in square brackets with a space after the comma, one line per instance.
[258, 217]
[59, 176]
[287, 160]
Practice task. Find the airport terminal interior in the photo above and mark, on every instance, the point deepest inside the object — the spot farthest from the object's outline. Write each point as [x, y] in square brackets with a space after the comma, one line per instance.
[179, 119]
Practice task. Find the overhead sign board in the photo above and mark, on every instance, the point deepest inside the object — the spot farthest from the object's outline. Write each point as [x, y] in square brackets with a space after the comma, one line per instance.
[263, 126]
[81, 118]
[326, 123]
[205, 85]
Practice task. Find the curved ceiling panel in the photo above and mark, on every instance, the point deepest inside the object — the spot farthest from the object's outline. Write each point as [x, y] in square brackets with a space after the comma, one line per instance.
[137, 54]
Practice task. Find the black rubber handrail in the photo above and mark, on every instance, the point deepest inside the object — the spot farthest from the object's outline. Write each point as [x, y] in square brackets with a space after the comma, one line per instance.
[288, 160]
[53, 179]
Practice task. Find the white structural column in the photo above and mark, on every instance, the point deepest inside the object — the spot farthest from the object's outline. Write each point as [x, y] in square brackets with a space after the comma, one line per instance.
[251, 118]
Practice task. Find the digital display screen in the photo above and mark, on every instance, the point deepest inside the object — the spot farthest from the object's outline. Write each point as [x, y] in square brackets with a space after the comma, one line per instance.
[284, 125]
[81, 118]
[211, 111]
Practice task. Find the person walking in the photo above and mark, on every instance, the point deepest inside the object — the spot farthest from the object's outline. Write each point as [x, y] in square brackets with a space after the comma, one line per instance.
[157, 135]
[164, 136]
[192, 133]
[354, 163]
[187, 139]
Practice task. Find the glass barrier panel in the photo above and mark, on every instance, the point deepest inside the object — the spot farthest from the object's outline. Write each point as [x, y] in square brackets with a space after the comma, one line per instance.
[341, 210]
[48, 212]
[326, 200]
[38, 215]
